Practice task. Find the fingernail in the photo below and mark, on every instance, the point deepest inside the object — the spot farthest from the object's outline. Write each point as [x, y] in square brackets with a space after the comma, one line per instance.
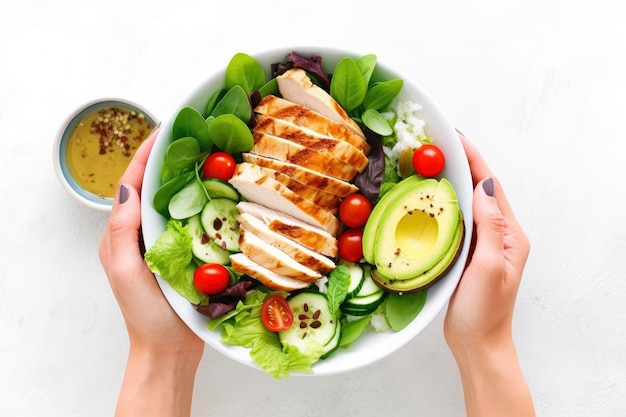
[123, 194]
[488, 187]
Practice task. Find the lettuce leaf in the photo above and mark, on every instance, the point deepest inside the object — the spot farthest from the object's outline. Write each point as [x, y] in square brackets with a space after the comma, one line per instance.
[245, 328]
[171, 258]
[338, 282]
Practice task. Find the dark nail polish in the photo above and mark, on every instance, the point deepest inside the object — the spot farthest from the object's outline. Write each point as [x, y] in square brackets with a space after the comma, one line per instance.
[488, 187]
[123, 194]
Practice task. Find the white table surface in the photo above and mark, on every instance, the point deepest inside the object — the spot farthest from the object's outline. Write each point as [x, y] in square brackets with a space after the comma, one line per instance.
[540, 86]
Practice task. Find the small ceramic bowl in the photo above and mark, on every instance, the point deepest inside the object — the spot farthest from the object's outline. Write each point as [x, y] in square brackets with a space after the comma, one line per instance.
[95, 144]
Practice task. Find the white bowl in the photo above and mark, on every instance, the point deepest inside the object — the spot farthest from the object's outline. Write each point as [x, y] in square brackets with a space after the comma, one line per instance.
[372, 346]
[60, 157]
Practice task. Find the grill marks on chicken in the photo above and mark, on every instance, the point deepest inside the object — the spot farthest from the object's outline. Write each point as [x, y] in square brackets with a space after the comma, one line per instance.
[302, 116]
[306, 151]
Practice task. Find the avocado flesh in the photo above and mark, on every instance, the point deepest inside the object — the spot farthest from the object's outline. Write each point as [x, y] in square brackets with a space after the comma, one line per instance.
[371, 227]
[428, 278]
[416, 229]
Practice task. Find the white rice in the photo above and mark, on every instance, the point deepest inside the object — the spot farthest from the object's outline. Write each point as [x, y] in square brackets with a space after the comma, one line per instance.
[409, 128]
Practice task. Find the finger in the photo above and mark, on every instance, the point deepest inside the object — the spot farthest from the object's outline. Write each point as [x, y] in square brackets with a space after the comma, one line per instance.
[480, 170]
[123, 231]
[490, 228]
[135, 170]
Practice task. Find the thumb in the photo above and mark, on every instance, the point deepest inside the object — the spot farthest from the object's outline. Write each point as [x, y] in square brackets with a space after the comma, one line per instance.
[124, 223]
[490, 225]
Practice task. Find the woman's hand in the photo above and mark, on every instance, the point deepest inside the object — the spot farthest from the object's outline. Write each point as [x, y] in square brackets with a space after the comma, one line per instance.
[164, 352]
[479, 319]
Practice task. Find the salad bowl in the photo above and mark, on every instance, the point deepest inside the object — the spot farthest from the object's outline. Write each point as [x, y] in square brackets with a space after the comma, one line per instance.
[371, 346]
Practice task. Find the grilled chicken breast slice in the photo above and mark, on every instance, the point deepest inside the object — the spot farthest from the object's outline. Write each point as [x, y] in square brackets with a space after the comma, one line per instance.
[311, 178]
[300, 253]
[288, 151]
[244, 265]
[312, 237]
[296, 86]
[308, 137]
[321, 198]
[256, 185]
[274, 259]
[303, 116]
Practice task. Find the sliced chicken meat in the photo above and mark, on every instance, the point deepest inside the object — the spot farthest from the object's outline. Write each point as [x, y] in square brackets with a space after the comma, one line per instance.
[296, 86]
[300, 253]
[311, 139]
[274, 259]
[244, 265]
[304, 175]
[288, 151]
[255, 184]
[312, 237]
[302, 116]
[321, 198]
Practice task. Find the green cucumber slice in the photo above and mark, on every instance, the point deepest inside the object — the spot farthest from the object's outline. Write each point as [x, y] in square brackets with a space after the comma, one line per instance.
[369, 285]
[314, 325]
[356, 277]
[217, 188]
[361, 306]
[219, 222]
[203, 247]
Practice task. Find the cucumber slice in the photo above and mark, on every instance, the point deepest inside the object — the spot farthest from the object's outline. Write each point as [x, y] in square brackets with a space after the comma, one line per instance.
[356, 277]
[217, 188]
[314, 325]
[219, 222]
[203, 246]
[363, 305]
[369, 285]
[333, 344]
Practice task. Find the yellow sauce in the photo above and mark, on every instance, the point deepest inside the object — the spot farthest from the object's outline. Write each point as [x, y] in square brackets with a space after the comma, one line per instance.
[101, 146]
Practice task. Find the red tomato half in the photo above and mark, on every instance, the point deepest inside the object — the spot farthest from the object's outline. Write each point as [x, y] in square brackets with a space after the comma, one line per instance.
[350, 245]
[276, 313]
[211, 279]
[354, 210]
[428, 160]
[220, 165]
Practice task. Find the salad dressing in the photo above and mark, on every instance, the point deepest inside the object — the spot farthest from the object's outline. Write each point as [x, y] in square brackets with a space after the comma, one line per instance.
[101, 146]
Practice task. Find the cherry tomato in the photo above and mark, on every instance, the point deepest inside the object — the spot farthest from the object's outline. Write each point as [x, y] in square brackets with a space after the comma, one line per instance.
[220, 165]
[428, 160]
[276, 313]
[211, 279]
[350, 245]
[354, 210]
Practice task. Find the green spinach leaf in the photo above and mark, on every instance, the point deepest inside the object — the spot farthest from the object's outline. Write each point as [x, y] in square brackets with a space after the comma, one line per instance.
[348, 85]
[165, 192]
[351, 330]
[376, 122]
[230, 134]
[382, 93]
[189, 122]
[188, 201]
[366, 64]
[246, 72]
[402, 309]
[182, 153]
[234, 102]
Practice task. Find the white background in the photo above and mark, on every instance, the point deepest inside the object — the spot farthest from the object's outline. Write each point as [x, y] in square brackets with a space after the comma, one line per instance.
[539, 86]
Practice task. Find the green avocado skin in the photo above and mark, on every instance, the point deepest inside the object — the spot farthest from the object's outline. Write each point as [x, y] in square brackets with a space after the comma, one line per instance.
[403, 269]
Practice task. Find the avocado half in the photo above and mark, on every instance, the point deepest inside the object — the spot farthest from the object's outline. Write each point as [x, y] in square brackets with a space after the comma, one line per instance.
[414, 234]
